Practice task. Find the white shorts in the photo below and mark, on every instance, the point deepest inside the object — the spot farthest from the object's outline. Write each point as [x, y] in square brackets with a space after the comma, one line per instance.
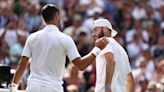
[39, 88]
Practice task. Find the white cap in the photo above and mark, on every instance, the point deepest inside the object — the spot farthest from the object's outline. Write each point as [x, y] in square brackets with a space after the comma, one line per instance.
[104, 23]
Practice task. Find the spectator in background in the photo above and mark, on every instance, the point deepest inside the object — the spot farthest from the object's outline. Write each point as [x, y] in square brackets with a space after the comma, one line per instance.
[160, 71]
[152, 14]
[72, 5]
[76, 28]
[149, 68]
[19, 7]
[150, 29]
[6, 12]
[69, 17]
[127, 25]
[16, 50]
[85, 5]
[137, 28]
[139, 75]
[111, 7]
[22, 27]
[143, 85]
[9, 32]
[162, 15]
[155, 3]
[75, 80]
[88, 23]
[154, 86]
[4, 53]
[158, 49]
[82, 45]
[135, 48]
[90, 77]
[106, 15]
[32, 18]
[138, 12]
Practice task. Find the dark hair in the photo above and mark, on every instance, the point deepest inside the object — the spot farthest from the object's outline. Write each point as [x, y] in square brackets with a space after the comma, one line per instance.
[82, 34]
[49, 11]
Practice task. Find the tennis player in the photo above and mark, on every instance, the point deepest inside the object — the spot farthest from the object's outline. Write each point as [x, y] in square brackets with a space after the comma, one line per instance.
[47, 49]
[113, 70]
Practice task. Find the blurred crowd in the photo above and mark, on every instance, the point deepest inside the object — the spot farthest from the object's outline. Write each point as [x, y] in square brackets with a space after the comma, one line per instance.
[140, 24]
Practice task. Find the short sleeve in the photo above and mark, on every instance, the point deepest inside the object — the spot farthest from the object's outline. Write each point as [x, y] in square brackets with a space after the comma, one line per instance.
[27, 50]
[128, 68]
[127, 64]
[107, 49]
[71, 49]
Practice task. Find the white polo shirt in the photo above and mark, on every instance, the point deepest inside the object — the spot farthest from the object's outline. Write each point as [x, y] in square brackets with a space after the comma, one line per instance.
[48, 49]
[121, 69]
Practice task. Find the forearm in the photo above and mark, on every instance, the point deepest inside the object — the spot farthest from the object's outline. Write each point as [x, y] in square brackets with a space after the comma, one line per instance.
[85, 61]
[20, 70]
[19, 73]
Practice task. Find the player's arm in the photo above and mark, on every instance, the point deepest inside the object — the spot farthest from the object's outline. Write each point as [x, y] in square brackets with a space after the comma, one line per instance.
[130, 82]
[85, 61]
[20, 69]
[110, 66]
[26, 54]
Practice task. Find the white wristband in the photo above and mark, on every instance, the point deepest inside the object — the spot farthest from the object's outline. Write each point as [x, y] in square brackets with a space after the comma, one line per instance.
[14, 85]
[95, 51]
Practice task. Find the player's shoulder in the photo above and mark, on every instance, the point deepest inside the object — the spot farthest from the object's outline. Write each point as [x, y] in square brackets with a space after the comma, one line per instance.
[111, 40]
[65, 37]
[33, 35]
[114, 43]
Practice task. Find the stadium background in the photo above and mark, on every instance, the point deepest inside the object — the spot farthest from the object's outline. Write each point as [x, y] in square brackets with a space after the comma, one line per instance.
[140, 24]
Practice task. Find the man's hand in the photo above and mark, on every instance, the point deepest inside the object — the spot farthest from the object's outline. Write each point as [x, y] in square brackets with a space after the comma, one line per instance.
[101, 42]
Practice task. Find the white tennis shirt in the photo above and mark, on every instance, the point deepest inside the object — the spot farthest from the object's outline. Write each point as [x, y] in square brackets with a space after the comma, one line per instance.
[48, 49]
[121, 69]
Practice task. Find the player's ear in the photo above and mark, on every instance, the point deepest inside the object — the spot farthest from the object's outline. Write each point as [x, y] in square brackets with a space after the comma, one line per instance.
[57, 16]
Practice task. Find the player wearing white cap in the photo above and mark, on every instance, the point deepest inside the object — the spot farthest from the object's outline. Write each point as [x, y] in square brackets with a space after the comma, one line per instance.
[47, 49]
[113, 70]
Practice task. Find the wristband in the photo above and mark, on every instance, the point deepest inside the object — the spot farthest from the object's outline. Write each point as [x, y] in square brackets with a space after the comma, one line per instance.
[95, 51]
[108, 85]
[14, 85]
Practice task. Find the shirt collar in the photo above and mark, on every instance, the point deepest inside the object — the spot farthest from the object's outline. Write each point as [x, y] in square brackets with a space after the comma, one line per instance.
[52, 27]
